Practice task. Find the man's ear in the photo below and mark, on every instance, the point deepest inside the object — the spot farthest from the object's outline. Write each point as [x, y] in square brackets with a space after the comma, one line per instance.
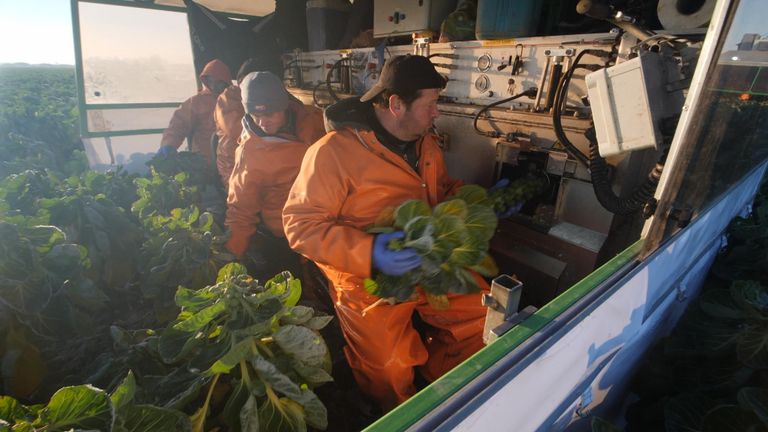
[396, 105]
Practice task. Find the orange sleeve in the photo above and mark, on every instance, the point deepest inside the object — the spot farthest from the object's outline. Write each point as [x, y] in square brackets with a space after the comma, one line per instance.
[243, 201]
[180, 126]
[310, 214]
[228, 128]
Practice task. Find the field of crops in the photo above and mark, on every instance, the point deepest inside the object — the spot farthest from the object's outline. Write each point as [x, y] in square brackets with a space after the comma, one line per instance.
[119, 308]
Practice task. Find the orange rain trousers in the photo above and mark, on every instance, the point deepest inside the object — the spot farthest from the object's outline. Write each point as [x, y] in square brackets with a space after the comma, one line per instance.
[228, 117]
[193, 120]
[347, 178]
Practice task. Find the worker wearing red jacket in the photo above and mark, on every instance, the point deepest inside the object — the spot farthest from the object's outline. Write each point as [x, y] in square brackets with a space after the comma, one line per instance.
[277, 131]
[193, 120]
[379, 152]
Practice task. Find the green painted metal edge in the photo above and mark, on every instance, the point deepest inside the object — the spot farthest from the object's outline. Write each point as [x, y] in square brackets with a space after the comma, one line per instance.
[750, 92]
[122, 133]
[436, 393]
[109, 106]
[79, 67]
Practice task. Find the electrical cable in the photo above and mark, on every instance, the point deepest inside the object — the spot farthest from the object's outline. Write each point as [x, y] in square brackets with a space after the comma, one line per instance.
[598, 168]
[493, 134]
[328, 77]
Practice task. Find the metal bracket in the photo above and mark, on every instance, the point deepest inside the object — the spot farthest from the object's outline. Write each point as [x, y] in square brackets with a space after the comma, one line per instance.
[421, 46]
[502, 304]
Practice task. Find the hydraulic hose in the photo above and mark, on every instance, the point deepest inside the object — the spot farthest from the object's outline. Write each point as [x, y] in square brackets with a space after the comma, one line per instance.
[328, 78]
[493, 134]
[601, 182]
[598, 168]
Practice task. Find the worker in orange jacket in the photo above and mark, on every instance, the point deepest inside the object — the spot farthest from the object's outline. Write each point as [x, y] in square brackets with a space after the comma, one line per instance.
[193, 120]
[228, 117]
[379, 152]
[277, 130]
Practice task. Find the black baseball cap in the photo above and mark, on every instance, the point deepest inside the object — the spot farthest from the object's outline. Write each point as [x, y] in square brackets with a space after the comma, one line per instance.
[406, 73]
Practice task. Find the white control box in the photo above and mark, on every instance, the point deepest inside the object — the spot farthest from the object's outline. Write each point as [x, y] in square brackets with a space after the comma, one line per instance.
[628, 102]
[403, 17]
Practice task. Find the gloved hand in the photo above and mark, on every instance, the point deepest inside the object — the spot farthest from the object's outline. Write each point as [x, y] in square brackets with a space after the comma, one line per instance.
[502, 183]
[392, 262]
[166, 150]
[510, 210]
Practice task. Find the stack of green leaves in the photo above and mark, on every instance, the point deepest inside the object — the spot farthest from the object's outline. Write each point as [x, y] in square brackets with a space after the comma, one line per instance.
[520, 190]
[452, 239]
[184, 248]
[268, 347]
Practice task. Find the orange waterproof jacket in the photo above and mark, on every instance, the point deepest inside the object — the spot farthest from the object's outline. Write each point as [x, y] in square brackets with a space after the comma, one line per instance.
[193, 120]
[265, 168]
[347, 178]
[228, 117]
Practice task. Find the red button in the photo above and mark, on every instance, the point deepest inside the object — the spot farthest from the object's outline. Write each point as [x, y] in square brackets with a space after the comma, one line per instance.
[390, 18]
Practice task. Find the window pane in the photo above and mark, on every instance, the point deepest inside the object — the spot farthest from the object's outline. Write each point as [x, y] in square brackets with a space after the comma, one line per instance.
[127, 63]
[129, 119]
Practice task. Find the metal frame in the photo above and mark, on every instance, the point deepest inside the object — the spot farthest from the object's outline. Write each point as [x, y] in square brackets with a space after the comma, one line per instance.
[83, 106]
[680, 150]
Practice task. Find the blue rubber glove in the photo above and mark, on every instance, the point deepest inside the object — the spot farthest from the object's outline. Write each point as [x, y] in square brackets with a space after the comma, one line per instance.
[502, 183]
[391, 262]
[510, 210]
[166, 151]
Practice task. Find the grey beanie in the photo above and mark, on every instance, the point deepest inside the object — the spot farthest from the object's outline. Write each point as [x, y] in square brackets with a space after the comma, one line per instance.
[263, 92]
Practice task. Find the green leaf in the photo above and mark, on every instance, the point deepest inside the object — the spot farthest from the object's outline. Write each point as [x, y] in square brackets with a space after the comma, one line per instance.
[685, 412]
[450, 232]
[456, 208]
[314, 375]
[191, 299]
[409, 210]
[473, 194]
[752, 346]
[149, 418]
[269, 373]
[729, 418]
[84, 407]
[124, 393]
[481, 222]
[419, 234]
[202, 318]
[282, 415]
[319, 322]
[302, 344]
[315, 412]
[239, 351]
[469, 253]
[231, 271]
[235, 405]
[285, 286]
[249, 415]
[487, 266]
[297, 315]
[174, 345]
[756, 400]
[718, 303]
[11, 410]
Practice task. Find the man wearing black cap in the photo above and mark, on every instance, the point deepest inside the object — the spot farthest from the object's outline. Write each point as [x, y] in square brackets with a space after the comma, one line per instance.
[378, 153]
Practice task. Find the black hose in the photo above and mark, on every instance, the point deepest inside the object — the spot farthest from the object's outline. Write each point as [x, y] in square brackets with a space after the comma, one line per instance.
[598, 168]
[494, 134]
[557, 108]
[328, 78]
[601, 183]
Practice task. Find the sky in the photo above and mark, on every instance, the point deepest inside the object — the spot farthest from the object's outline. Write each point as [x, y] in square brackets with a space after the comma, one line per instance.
[36, 31]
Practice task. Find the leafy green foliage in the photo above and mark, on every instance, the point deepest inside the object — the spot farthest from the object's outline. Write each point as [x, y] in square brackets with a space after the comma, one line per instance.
[451, 238]
[520, 190]
[38, 121]
[262, 340]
